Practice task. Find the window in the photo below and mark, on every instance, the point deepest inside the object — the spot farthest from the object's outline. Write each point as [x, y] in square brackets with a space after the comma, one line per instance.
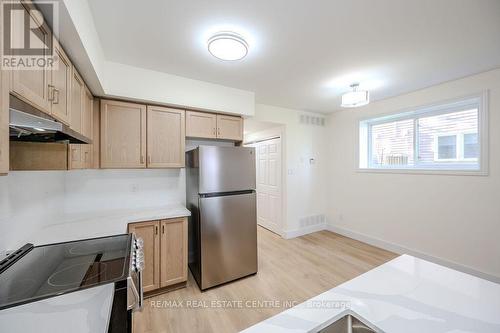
[446, 148]
[444, 137]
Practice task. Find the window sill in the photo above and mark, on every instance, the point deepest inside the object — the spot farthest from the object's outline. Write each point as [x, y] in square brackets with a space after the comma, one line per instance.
[425, 172]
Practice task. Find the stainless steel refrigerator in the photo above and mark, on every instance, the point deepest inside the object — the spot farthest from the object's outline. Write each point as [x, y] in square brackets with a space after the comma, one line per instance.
[220, 190]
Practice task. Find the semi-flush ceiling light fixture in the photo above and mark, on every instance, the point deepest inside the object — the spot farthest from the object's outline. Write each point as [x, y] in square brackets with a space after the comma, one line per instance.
[355, 97]
[227, 46]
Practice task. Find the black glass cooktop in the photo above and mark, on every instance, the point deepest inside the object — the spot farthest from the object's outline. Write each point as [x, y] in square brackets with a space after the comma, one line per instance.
[55, 269]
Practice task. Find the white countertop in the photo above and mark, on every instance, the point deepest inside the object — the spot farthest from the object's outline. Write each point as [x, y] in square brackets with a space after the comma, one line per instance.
[102, 223]
[407, 295]
[84, 311]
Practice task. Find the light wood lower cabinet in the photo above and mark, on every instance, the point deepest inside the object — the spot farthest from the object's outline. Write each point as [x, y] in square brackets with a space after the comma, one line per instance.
[165, 251]
[173, 252]
[123, 135]
[165, 137]
[149, 232]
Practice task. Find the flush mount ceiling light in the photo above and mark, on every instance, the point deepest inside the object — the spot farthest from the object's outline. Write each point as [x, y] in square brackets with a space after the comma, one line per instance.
[227, 46]
[355, 97]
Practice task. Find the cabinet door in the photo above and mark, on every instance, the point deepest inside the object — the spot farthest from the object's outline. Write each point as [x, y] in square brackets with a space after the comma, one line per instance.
[75, 155]
[32, 86]
[201, 125]
[96, 145]
[123, 135]
[4, 124]
[229, 127]
[86, 151]
[174, 255]
[166, 137]
[87, 113]
[4, 109]
[148, 231]
[77, 94]
[60, 87]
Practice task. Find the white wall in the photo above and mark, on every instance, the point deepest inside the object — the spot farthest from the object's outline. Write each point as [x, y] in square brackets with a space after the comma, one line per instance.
[452, 219]
[305, 185]
[31, 200]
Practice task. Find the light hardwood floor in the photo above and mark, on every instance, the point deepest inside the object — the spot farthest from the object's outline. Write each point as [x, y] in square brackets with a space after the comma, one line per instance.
[290, 271]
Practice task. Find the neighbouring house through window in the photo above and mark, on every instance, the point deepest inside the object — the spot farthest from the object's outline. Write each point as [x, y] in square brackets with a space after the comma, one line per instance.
[440, 137]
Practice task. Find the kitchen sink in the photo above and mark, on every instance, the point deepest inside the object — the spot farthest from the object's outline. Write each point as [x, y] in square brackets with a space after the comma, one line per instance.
[347, 324]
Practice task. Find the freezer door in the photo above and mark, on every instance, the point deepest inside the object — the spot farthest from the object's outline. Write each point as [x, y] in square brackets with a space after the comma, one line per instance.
[226, 169]
[228, 228]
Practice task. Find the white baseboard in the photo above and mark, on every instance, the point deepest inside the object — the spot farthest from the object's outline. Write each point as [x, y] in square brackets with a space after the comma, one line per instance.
[403, 250]
[303, 231]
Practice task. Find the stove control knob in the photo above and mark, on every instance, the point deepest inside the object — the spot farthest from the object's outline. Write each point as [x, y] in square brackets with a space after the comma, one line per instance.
[139, 243]
[139, 254]
[140, 266]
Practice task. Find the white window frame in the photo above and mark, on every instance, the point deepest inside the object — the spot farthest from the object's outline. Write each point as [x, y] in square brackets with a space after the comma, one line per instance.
[479, 101]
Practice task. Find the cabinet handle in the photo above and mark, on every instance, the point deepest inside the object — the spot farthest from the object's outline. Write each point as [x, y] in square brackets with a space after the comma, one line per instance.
[156, 230]
[56, 94]
[149, 159]
[51, 93]
[214, 130]
[142, 159]
[163, 229]
[218, 131]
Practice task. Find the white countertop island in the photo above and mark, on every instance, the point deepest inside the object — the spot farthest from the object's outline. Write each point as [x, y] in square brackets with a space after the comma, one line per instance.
[404, 295]
[102, 223]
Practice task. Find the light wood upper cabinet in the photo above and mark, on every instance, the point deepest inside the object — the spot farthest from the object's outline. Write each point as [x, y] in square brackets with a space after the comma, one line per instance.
[165, 137]
[32, 86]
[213, 126]
[38, 156]
[149, 232]
[201, 125]
[96, 145]
[87, 113]
[77, 94]
[88, 128]
[123, 135]
[60, 87]
[173, 251]
[229, 127]
[75, 160]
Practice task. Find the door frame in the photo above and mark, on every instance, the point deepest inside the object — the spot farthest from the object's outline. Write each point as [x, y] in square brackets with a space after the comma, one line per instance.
[268, 134]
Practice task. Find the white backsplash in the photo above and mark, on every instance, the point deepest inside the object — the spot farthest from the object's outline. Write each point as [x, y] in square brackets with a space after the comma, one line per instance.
[30, 200]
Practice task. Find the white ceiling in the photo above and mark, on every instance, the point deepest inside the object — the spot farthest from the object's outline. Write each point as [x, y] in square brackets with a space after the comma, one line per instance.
[304, 54]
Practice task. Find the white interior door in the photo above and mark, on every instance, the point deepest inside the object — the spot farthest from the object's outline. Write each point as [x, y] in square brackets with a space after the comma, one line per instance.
[268, 172]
